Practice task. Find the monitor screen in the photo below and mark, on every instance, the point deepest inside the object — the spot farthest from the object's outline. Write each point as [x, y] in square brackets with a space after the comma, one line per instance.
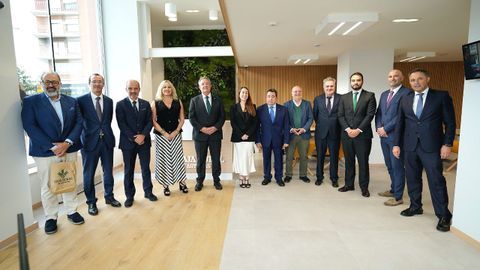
[471, 60]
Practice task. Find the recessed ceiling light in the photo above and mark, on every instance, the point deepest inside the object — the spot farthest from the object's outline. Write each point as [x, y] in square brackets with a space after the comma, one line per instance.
[272, 24]
[192, 10]
[298, 61]
[405, 20]
[306, 61]
[336, 28]
[316, 45]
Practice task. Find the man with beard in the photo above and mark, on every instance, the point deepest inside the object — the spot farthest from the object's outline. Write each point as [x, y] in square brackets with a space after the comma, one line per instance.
[53, 123]
[355, 114]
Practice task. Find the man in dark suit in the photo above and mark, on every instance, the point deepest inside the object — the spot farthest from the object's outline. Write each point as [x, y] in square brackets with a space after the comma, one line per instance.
[425, 131]
[327, 130]
[53, 123]
[98, 142]
[355, 114]
[301, 118]
[134, 118]
[385, 120]
[207, 116]
[272, 136]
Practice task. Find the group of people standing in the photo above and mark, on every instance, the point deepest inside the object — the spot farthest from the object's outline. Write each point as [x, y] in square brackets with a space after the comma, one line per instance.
[412, 138]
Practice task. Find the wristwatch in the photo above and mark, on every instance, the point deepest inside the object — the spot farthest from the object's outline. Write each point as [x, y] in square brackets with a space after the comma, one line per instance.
[448, 145]
[69, 143]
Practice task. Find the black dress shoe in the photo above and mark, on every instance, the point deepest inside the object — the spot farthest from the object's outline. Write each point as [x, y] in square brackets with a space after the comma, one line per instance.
[151, 197]
[318, 182]
[51, 226]
[198, 187]
[281, 183]
[444, 224]
[287, 179]
[305, 179]
[346, 188]
[335, 184]
[218, 186]
[113, 202]
[92, 209]
[365, 193]
[266, 182]
[411, 212]
[129, 203]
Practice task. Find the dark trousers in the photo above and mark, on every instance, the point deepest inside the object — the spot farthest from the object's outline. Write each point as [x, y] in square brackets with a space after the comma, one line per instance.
[395, 167]
[90, 161]
[129, 158]
[277, 161]
[201, 148]
[333, 145]
[359, 148]
[415, 162]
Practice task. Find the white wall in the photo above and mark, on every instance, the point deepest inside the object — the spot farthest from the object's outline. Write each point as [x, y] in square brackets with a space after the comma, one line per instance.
[466, 211]
[15, 187]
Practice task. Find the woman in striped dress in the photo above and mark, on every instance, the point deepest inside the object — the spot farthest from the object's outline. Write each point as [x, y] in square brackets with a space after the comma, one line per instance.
[168, 119]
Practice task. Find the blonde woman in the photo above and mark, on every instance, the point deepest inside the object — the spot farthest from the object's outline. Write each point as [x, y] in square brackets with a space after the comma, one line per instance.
[168, 119]
[244, 123]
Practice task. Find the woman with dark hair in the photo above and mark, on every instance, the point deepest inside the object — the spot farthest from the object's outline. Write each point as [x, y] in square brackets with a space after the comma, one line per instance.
[244, 123]
[168, 119]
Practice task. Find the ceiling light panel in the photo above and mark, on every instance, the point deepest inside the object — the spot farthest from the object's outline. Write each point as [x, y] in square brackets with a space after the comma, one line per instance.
[346, 23]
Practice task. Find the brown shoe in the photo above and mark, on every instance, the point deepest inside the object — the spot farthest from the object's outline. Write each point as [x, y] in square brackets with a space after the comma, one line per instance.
[386, 193]
[393, 202]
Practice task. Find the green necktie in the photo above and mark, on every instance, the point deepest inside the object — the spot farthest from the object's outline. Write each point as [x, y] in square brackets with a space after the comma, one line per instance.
[209, 106]
[355, 94]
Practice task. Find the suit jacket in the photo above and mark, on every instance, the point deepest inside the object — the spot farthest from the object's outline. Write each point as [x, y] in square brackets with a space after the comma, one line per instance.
[44, 128]
[386, 117]
[278, 132]
[326, 123]
[360, 118]
[131, 124]
[307, 117]
[242, 123]
[92, 126]
[437, 114]
[199, 117]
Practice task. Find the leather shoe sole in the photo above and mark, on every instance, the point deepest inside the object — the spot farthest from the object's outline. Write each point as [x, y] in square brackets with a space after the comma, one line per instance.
[411, 212]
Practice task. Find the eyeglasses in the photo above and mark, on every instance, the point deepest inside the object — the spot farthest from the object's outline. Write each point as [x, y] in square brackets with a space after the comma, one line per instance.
[54, 83]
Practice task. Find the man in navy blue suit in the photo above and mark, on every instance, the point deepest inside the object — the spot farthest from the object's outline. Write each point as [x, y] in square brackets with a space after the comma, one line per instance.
[327, 130]
[385, 120]
[98, 142]
[425, 131]
[53, 124]
[272, 136]
[134, 118]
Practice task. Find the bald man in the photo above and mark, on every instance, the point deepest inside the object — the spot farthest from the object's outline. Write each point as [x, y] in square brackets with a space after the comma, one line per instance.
[134, 118]
[385, 120]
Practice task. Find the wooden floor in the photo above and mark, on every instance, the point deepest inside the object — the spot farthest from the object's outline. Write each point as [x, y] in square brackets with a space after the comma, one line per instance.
[183, 231]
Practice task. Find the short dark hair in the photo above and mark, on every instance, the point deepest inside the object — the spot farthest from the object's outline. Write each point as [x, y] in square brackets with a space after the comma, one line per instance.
[356, 73]
[273, 90]
[95, 74]
[421, 71]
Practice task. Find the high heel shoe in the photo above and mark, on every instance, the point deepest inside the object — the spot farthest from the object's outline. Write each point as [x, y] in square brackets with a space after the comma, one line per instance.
[183, 187]
[247, 184]
[166, 191]
[242, 183]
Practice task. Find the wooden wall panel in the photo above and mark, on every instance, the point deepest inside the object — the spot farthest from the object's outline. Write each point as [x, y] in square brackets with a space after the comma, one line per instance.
[448, 76]
[283, 78]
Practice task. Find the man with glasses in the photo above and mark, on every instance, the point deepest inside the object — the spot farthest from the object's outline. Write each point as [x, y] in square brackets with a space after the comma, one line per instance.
[98, 142]
[54, 123]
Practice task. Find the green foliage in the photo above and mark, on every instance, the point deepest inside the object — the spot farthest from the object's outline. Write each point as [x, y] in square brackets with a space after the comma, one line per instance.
[185, 72]
[26, 82]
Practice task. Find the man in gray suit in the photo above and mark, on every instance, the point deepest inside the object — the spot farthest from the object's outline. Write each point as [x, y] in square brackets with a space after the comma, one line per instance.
[301, 118]
[207, 116]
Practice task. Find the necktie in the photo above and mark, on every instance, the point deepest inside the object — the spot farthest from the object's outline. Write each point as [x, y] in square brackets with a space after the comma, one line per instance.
[135, 107]
[209, 106]
[98, 108]
[329, 104]
[389, 98]
[419, 110]
[355, 94]
[272, 113]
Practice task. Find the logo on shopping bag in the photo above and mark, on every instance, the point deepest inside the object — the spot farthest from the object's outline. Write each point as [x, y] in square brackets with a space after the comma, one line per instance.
[64, 177]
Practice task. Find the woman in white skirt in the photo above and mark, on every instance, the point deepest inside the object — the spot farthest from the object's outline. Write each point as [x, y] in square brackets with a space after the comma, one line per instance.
[244, 123]
[168, 119]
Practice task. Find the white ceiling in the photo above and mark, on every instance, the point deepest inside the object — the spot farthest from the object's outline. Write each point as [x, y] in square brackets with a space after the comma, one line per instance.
[443, 27]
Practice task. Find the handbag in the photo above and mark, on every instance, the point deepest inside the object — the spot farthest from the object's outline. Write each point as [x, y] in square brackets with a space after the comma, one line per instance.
[62, 177]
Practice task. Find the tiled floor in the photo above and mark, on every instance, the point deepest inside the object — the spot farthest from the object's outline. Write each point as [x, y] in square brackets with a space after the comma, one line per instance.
[303, 226]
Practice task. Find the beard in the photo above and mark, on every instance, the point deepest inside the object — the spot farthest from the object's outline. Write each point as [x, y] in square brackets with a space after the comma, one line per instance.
[356, 87]
[52, 92]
